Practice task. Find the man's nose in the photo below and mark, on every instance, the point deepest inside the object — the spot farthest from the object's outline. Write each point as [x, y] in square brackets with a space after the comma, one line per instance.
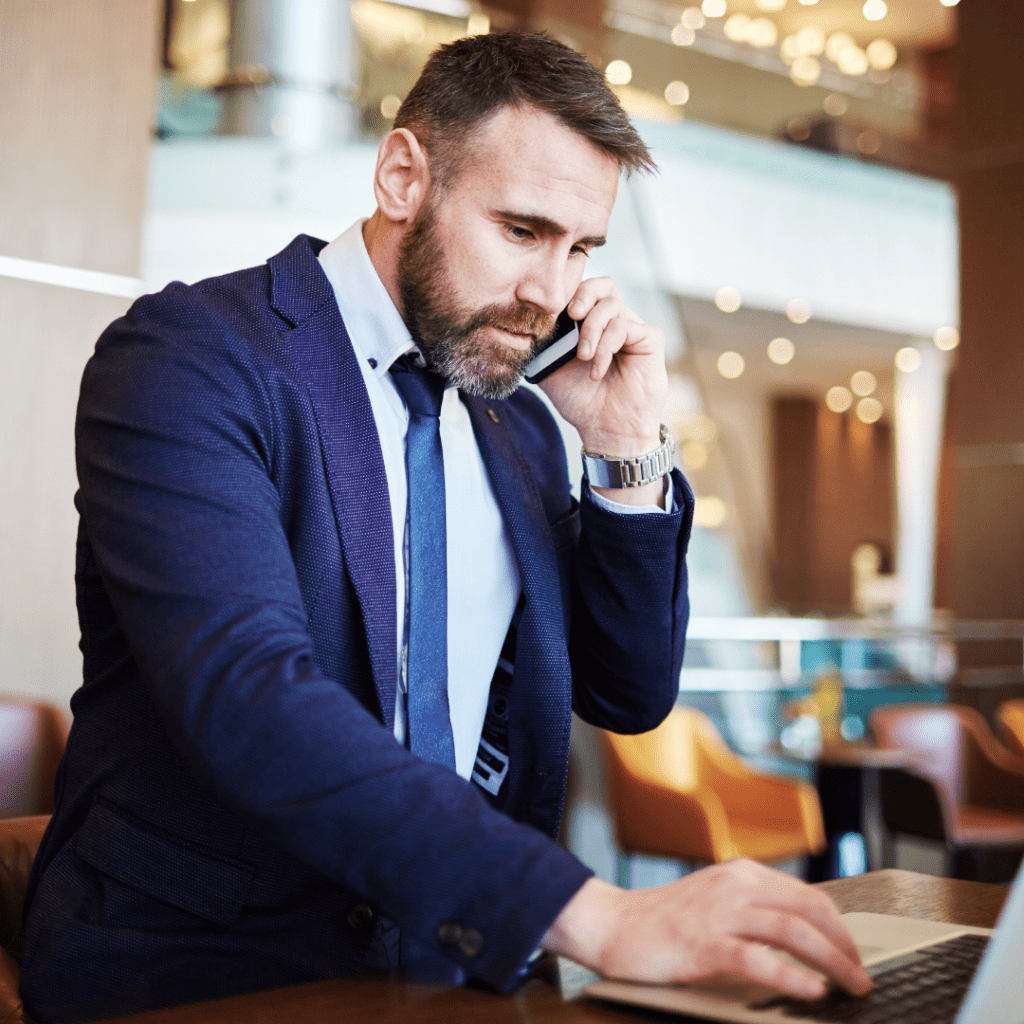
[545, 287]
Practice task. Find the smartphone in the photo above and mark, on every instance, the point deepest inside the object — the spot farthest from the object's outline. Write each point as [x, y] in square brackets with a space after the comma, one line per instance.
[557, 353]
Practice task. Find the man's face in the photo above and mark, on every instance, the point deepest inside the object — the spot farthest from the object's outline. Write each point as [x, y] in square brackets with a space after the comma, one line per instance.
[489, 264]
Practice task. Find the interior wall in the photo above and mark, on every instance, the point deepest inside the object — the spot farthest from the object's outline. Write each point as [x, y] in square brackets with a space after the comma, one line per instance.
[76, 77]
[980, 517]
[832, 490]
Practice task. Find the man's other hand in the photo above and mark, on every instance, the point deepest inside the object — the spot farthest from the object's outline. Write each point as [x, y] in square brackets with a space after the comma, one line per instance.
[715, 921]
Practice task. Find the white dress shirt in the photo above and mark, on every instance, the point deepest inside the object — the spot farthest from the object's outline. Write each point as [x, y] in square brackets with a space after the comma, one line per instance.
[483, 581]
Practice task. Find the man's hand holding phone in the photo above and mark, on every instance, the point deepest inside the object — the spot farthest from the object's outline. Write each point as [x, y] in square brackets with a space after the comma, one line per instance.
[614, 392]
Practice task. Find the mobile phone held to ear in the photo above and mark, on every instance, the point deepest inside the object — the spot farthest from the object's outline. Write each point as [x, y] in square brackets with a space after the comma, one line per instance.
[558, 352]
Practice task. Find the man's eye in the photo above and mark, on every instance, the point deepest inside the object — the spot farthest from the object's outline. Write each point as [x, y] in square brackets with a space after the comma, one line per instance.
[578, 250]
[518, 231]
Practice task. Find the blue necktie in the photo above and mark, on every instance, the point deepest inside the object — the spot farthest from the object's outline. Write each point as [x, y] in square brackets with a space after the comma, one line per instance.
[430, 728]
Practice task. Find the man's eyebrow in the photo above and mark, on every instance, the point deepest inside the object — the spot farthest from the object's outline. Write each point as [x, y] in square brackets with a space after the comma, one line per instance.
[547, 226]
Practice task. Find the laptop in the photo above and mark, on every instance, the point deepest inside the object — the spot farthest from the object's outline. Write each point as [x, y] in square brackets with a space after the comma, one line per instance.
[904, 956]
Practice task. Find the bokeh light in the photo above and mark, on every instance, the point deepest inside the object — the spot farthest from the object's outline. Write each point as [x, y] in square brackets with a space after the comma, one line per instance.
[907, 360]
[731, 365]
[708, 512]
[869, 410]
[781, 351]
[798, 310]
[863, 383]
[946, 338]
[618, 72]
[728, 299]
[838, 399]
[677, 93]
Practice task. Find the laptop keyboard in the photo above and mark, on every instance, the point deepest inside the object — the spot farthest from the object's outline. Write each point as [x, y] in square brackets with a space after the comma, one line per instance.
[929, 990]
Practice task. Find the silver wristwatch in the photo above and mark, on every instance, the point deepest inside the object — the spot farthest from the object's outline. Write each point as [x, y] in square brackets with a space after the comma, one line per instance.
[608, 471]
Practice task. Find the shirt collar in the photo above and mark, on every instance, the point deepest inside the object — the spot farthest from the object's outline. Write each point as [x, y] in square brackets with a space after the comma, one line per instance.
[374, 325]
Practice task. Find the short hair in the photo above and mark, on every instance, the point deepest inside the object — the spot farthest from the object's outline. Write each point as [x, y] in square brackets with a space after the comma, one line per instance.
[463, 83]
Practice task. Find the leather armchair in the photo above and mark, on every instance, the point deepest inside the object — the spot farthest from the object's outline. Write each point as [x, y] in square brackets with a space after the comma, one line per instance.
[1010, 715]
[19, 840]
[966, 791]
[678, 791]
[32, 739]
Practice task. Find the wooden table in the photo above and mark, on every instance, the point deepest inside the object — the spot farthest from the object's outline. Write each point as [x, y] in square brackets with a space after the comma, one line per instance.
[553, 999]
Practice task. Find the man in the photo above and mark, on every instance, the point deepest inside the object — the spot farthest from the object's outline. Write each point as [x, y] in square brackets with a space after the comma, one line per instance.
[266, 782]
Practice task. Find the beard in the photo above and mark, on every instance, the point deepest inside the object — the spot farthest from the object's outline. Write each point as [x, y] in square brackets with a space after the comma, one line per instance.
[453, 341]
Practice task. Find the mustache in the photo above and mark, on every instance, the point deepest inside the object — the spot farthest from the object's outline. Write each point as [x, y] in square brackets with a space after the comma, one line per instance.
[517, 318]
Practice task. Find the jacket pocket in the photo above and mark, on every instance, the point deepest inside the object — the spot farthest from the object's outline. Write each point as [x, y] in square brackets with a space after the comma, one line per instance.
[196, 881]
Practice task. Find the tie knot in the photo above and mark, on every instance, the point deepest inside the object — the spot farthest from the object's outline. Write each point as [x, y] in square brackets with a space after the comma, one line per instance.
[421, 389]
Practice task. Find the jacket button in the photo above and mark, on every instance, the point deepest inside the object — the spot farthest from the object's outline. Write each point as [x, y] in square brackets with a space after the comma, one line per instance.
[471, 942]
[450, 933]
[493, 416]
[360, 916]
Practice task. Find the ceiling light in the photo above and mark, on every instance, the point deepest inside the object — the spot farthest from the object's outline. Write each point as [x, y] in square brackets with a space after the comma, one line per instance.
[799, 129]
[618, 72]
[805, 70]
[875, 10]
[677, 93]
[781, 351]
[863, 382]
[869, 142]
[735, 28]
[728, 299]
[835, 105]
[762, 32]
[713, 8]
[798, 310]
[692, 18]
[683, 36]
[695, 455]
[946, 338]
[881, 54]
[731, 365]
[708, 512]
[789, 49]
[837, 42]
[869, 410]
[838, 399]
[853, 61]
[907, 360]
[811, 40]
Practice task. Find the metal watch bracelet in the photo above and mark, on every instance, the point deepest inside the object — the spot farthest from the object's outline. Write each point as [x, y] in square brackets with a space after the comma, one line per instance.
[609, 471]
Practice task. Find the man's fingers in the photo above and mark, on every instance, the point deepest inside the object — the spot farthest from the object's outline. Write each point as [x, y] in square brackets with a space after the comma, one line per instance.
[799, 937]
[758, 964]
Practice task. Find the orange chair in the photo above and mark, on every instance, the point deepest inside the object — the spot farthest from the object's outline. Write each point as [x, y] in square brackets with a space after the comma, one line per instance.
[679, 792]
[19, 840]
[32, 739]
[1010, 715]
[967, 790]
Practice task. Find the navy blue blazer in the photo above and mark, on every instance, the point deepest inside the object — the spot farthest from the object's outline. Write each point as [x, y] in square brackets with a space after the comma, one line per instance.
[233, 811]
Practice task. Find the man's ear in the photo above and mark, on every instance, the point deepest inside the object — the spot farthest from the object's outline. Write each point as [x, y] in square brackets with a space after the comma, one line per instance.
[402, 179]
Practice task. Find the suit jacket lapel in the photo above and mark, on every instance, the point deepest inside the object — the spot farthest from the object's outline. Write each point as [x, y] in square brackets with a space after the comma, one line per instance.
[542, 648]
[353, 461]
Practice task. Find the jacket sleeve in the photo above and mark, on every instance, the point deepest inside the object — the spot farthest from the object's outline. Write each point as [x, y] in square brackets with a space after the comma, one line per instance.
[177, 437]
[630, 611]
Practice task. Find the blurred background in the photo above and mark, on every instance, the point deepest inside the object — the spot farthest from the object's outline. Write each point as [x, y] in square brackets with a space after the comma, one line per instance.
[834, 246]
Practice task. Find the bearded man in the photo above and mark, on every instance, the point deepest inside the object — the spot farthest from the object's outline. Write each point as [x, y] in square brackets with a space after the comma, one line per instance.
[337, 601]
